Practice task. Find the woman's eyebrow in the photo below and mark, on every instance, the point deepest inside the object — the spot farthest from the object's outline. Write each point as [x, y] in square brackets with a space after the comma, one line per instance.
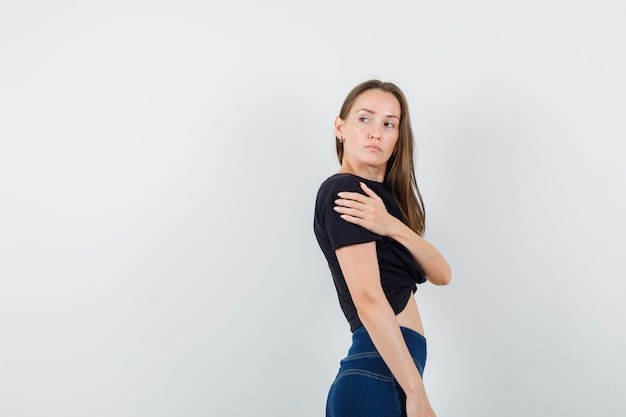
[373, 112]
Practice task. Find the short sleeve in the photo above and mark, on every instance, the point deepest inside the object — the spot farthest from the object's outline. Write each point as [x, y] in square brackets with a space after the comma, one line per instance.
[339, 231]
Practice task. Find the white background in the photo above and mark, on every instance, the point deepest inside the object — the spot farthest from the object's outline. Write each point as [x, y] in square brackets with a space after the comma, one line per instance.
[159, 162]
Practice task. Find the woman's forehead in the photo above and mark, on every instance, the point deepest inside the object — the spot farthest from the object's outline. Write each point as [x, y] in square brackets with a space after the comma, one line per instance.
[377, 102]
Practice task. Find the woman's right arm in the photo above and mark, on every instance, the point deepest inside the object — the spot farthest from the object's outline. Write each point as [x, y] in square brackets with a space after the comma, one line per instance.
[359, 265]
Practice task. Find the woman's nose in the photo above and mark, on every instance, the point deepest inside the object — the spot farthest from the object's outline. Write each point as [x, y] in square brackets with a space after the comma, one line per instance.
[375, 133]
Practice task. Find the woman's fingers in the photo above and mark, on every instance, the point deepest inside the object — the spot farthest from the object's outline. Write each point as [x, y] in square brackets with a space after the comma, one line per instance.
[347, 195]
[368, 211]
[349, 211]
[357, 201]
[348, 203]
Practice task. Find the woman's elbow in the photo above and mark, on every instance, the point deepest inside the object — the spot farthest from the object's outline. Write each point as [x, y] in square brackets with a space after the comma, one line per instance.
[368, 303]
[442, 277]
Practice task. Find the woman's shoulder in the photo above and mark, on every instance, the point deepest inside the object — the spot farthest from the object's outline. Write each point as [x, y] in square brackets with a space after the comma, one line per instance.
[338, 179]
[337, 183]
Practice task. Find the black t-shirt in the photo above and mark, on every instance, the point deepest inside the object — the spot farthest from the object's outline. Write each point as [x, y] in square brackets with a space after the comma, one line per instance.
[399, 271]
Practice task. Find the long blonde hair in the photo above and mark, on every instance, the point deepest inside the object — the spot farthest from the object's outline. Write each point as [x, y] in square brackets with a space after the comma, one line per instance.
[400, 173]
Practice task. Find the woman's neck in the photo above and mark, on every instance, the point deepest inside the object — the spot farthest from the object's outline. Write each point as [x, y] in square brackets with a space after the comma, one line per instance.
[369, 173]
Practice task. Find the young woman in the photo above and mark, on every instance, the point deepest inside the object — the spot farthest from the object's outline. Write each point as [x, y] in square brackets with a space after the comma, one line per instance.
[369, 222]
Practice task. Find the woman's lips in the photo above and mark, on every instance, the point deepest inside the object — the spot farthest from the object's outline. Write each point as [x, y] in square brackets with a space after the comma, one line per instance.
[373, 148]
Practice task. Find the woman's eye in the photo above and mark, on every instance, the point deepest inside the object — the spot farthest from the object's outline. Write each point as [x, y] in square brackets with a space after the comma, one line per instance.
[389, 124]
[364, 119]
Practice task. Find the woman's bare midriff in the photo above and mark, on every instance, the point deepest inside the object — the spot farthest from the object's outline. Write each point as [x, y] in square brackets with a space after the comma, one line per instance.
[410, 317]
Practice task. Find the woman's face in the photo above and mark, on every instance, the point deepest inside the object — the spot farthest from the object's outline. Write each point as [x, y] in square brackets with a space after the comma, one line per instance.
[370, 131]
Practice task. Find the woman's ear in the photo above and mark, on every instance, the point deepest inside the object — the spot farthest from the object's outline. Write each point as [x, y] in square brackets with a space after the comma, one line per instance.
[338, 127]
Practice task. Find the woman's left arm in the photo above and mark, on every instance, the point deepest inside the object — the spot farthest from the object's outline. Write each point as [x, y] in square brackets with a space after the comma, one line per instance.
[369, 212]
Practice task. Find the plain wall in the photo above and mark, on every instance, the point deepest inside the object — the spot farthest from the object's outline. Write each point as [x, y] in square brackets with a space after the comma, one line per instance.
[158, 168]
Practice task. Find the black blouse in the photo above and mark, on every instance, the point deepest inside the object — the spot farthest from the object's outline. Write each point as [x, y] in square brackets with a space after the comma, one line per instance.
[399, 271]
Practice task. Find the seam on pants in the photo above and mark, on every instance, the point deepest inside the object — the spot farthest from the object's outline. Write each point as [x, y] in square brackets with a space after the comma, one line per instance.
[365, 373]
[362, 355]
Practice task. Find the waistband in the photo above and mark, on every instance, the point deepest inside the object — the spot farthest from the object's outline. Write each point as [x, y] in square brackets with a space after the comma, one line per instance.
[362, 343]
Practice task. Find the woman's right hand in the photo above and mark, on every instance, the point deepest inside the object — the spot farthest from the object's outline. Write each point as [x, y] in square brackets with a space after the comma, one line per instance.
[415, 408]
